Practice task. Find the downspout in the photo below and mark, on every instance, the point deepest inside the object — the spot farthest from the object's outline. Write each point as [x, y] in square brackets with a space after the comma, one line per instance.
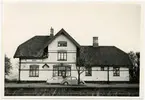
[108, 74]
[107, 71]
[19, 68]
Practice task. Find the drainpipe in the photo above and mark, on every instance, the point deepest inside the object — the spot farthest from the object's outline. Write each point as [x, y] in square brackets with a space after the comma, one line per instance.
[108, 74]
[19, 69]
[107, 71]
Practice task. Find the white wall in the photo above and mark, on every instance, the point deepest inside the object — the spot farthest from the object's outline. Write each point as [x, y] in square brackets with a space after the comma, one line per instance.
[44, 73]
[98, 75]
[124, 75]
[53, 47]
[51, 60]
[53, 44]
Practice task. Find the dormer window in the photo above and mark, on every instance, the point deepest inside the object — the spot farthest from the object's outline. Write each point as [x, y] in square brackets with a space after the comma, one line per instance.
[62, 44]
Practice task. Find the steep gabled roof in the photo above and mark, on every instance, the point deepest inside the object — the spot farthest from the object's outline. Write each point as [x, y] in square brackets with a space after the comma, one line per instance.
[63, 32]
[34, 47]
[104, 55]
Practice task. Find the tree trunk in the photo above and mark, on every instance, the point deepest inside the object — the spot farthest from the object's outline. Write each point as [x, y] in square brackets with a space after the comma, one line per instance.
[78, 77]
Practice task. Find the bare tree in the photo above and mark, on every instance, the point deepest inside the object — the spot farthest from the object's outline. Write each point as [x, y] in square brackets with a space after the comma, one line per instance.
[8, 65]
[80, 67]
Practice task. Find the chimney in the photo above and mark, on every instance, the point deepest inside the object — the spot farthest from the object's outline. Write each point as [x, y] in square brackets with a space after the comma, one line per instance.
[95, 42]
[51, 32]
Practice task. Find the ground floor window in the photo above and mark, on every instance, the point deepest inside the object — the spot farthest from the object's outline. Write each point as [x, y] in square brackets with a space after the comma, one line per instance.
[116, 71]
[61, 71]
[102, 68]
[34, 71]
[88, 71]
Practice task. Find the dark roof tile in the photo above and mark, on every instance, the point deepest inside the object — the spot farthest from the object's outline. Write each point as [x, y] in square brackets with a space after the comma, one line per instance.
[33, 48]
[104, 55]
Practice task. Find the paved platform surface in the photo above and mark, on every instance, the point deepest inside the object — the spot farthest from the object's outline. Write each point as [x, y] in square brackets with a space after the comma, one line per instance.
[88, 85]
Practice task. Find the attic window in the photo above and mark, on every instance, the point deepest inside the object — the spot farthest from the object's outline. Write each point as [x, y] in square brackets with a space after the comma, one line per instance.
[45, 65]
[62, 44]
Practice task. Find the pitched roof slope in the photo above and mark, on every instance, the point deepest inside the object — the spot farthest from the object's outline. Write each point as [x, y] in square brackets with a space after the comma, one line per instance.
[33, 48]
[104, 55]
[63, 32]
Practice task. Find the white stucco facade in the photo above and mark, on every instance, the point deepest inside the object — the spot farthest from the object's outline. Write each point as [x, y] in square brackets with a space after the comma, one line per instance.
[98, 75]
[71, 49]
[46, 73]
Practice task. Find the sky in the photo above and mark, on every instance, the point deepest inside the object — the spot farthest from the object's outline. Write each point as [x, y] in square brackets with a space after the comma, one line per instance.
[116, 24]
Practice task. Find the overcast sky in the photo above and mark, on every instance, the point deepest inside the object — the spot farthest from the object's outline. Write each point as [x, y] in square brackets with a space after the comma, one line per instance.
[115, 24]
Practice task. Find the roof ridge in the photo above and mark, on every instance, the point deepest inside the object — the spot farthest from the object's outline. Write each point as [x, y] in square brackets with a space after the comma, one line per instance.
[42, 35]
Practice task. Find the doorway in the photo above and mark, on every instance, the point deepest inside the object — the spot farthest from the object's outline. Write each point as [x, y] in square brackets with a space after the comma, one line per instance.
[63, 71]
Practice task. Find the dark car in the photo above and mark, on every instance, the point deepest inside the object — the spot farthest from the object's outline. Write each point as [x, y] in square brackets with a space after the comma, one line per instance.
[71, 80]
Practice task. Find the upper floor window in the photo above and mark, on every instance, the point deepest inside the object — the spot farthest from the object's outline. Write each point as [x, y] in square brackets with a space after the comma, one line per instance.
[34, 71]
[88, 71]
[116, 71]
[62, 44]
[62, 56]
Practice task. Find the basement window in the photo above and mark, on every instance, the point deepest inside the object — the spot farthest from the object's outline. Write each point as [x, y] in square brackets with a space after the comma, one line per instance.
[116, 71]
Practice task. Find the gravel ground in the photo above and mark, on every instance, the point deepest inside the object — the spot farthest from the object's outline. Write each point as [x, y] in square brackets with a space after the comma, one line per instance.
[89, 85]
[43, 89]
[71, 92]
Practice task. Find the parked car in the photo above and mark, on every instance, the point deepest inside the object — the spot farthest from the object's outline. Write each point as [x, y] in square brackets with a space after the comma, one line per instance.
[55, 80]
[71, 81]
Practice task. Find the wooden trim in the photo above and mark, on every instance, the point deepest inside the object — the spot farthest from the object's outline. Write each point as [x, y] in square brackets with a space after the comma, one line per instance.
[104, 82]
[47, 62]
[57, 52]
[71, 70]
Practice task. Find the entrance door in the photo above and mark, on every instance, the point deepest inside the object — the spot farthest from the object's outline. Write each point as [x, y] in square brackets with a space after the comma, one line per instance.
[63, 73]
